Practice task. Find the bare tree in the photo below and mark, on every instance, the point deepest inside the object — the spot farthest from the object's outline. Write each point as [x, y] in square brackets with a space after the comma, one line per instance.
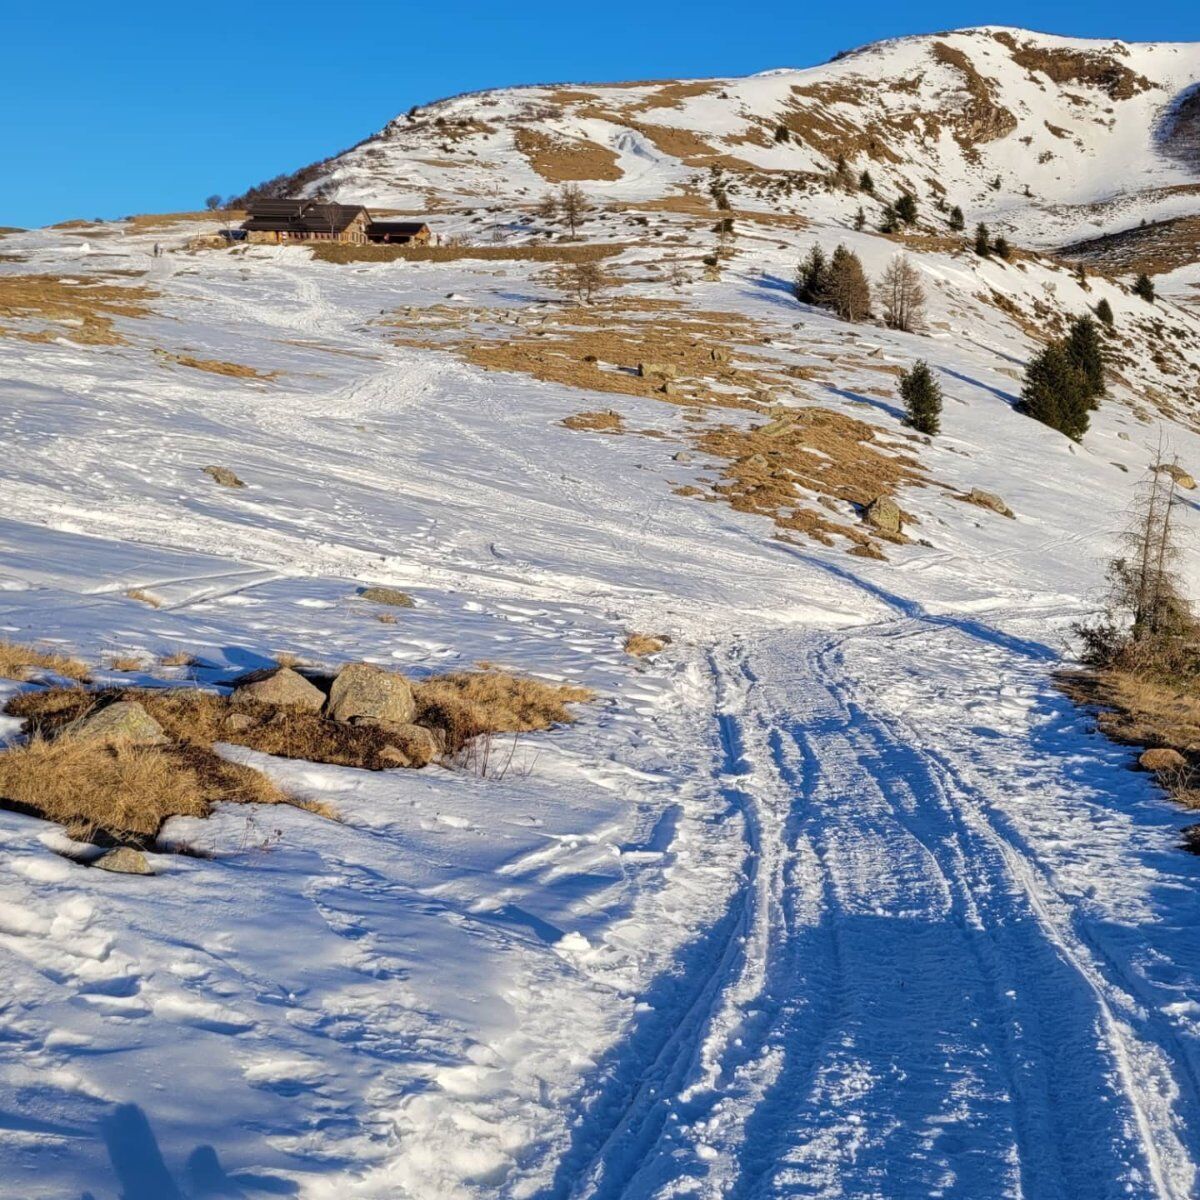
[677, 274]
[575, 206]
[547, 207]
[901, 295]
[583, 282]
[213, 203]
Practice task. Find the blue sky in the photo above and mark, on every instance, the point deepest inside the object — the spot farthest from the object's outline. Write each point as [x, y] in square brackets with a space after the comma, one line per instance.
[148, 107]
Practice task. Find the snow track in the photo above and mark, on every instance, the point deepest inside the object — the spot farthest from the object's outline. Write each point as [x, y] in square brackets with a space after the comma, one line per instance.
[910, 1002]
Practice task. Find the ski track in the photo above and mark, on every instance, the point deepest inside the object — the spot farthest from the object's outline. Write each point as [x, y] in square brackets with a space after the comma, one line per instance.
[903, 1005]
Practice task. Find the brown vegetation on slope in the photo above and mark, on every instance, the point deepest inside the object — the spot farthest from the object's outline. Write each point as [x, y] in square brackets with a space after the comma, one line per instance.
[80, 310]
[563, 160]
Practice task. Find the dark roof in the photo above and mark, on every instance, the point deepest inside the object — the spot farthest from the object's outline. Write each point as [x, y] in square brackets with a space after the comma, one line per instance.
[302, 216]
[401, 227]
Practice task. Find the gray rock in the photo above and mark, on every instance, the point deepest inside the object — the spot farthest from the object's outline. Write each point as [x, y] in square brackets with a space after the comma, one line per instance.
[883, 513]
[391, 757]
[280, 686]
[387, 595]
[416, 743]
[123, 721]
[236, 722]
[124, 861]
[682, 456]
[224, 476]
[363, 691]
[657, 370]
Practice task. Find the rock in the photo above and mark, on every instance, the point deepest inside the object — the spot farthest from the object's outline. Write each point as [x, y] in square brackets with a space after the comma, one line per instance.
[387, 595]
[883, 513]
[280, 686]
[122, 721]
[237, 722]
[989, 500]
[1162, 759]
[756, 462]
[124, 861]
[224, 476]
[682, 456]
[1181, 477]
[390, 757]
[657, 370]
[416, 743]
[719, 354]
[363, 691]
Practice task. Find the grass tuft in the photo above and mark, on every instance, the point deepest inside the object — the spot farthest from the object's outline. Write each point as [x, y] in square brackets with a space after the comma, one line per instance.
[18, 662]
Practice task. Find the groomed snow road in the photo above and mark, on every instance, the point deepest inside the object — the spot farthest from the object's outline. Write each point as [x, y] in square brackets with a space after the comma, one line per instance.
[950, 971]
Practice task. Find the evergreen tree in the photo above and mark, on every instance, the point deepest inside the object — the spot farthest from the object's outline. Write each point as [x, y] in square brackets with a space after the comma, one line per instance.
[860, 218]
[889, 222]
[1144, 286]
[906, 208]
[782, 133]
[983, 240]
[1104, 312]
[812, 278]
[922, 395]
[848, 292]
[1056, 392]
[1001, 249]
[1083, 348]
[957, 221]
[866, 183]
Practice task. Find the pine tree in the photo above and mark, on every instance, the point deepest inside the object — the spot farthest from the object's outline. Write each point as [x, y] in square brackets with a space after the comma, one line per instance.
[889, 222]
[922, 395]
[812, 278]
[1055, 392]
[983, 240]
[1083, 348]
[906, 208]
[1104, 311]
[860, 218]
[782, 133]
[1001, 249]
[848, 292]
[1144, 286]
[866, 183]
[957, 221]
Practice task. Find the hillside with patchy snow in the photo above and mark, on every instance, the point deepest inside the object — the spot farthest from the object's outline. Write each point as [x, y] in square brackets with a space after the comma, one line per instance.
[834, 893]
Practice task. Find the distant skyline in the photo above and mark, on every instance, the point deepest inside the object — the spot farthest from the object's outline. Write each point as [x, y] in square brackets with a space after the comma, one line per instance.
[143, 107]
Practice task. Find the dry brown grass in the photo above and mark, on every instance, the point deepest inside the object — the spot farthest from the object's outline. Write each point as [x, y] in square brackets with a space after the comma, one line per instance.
[150, 222]
[79, 310]
[123, 793]
[600, 421]
[19, 662]
[124, 662]
[144, 596]
[335, 252]
[457, 707]
[563, 160]
[640, 645]
[177, 658]
[215, 366]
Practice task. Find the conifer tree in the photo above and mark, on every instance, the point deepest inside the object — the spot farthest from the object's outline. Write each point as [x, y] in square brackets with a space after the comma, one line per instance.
[812, 278]
[866, 183]
[1001, 249]
[983, 240]
[860, 218]
[1083, 348]
[1055, 392]
[957, 221]
[1104, 311]
[906, 208]
[889, 222]
[922, 395]
[848, 292]
[1144, 286]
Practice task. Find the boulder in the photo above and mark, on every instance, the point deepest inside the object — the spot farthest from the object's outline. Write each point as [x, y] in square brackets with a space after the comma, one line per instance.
[1162, 759]
[1181, 477]
[989, 500]
[124, 861]
[390, 757]
[280, 686]
[682, 456]
[122, 721]
[236, 722]
[883, 513]
[224, 476]
[364, 692]
[657, 370]
[416, 743]
[387, 595]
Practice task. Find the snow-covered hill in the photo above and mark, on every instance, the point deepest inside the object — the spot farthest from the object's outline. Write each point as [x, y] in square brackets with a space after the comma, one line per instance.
[837, 896]
[1052, 138]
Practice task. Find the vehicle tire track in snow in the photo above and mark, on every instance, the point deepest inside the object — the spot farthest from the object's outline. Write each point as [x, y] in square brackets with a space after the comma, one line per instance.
[912, 1010]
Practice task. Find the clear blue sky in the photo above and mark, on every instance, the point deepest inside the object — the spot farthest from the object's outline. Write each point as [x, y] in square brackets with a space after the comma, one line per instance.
[113, 108]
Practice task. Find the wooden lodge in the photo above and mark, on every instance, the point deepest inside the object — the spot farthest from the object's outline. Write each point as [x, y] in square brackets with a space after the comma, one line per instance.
[284, 221]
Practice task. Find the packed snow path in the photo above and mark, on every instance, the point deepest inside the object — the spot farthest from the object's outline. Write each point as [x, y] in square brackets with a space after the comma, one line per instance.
[925, 996]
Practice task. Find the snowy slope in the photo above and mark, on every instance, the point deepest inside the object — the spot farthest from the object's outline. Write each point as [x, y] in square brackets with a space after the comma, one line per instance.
[837, 897]
[1052, 138]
